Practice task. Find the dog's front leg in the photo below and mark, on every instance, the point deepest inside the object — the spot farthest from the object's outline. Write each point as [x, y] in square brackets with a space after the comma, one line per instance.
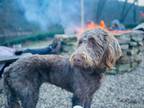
[87, 103]
[81, 102]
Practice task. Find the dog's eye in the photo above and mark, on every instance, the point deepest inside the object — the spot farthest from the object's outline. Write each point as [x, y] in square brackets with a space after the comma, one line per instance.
[91, 42]
[80, 42]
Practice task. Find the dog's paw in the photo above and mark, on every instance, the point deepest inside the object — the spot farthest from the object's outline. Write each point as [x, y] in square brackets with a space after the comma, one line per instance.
[77, 106]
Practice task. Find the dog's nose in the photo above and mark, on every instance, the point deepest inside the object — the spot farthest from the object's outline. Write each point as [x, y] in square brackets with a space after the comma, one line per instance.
[78, 59]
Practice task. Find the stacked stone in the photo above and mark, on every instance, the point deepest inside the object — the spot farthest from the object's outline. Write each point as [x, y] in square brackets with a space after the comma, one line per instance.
[132, 45]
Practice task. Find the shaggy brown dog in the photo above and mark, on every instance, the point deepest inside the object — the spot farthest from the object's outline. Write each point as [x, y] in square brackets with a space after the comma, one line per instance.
[80, 74]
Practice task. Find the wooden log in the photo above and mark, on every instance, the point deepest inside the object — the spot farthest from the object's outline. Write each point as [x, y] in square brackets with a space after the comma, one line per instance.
[10, 59]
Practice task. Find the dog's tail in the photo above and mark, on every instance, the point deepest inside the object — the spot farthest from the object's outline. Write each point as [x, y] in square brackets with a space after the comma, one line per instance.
[10, 95]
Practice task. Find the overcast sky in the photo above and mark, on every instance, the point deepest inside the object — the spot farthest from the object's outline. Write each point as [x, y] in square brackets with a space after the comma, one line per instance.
[141, 2]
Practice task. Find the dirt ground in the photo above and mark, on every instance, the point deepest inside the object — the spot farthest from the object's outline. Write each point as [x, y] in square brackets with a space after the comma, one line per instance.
[117, 91]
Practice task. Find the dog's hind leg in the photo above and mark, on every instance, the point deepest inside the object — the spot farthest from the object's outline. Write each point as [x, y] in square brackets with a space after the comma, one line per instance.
[11, 98]
[29, 97]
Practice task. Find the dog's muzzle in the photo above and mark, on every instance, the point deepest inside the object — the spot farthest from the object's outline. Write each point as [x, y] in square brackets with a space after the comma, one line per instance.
[78, 60]
[82, 60]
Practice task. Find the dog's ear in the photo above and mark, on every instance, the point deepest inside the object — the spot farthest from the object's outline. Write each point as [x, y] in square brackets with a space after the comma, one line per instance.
[112, 54]
[109, 58]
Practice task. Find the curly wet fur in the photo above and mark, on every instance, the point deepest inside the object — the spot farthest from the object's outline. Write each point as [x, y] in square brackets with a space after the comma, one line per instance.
[97, 51]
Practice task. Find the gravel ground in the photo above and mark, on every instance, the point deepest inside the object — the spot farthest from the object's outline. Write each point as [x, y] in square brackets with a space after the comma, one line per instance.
[117, 91]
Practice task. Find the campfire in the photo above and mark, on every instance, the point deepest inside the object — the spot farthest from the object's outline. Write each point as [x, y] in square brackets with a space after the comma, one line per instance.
[89, 26]
[92, 25]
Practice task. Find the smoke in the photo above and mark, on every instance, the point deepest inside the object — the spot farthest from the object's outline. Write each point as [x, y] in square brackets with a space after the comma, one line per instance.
[48, 12]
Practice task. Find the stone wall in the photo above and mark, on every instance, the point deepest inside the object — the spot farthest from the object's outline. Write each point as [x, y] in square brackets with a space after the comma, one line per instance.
[132, 45]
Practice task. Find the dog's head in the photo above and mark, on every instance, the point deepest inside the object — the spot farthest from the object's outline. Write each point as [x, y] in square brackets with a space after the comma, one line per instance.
[96, 49]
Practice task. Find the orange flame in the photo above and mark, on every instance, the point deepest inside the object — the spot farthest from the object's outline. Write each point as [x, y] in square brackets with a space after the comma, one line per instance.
[102, 24]
[89, 26]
